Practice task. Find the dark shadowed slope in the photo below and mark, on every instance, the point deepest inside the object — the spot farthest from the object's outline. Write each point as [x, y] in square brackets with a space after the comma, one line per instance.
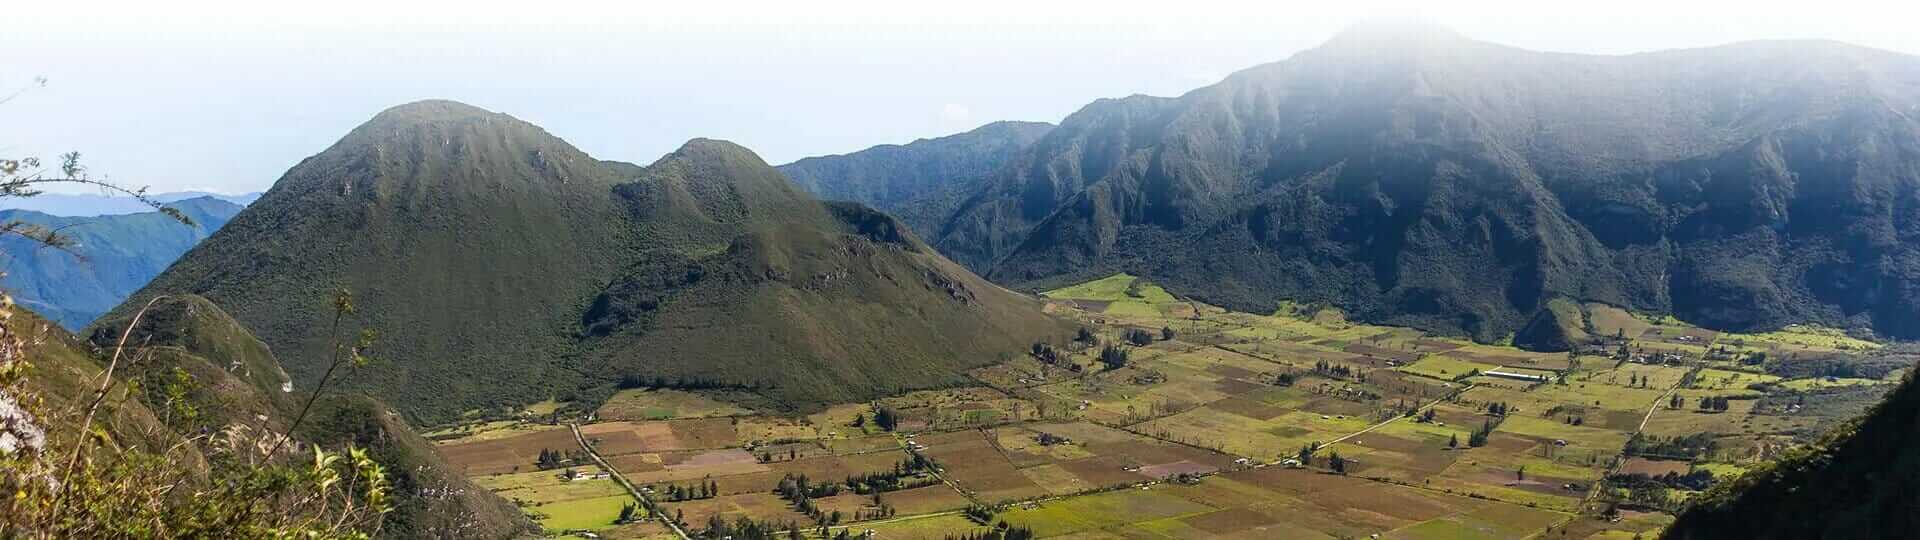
[1858, 483]
[1413, 176]
[111, 256]
[922, 181]
[502, 266]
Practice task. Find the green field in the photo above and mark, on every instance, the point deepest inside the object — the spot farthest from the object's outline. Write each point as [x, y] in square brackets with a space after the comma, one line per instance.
[1229, 386]
[593, 514]
[1446, 367]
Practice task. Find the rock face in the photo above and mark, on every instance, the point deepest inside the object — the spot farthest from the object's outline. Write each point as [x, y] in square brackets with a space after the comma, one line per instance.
[1412, 176]
[922, 181]
[502, 266]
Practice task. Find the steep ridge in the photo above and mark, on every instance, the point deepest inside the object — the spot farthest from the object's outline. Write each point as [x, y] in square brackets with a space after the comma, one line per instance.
[919, 181]
[110, 257]
[502, 266]
[1412, 176]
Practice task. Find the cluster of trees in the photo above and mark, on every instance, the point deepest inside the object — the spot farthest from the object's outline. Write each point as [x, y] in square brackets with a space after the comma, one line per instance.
[1329, 370]
[635, 380]
[1695, 480]
[1336, 463]
[980, 513]
[1499, 408]
[706, 489]
[629, 513]
[1634, 380]
[554, 459]
[1685, 446]
[744, 528]
[800, 491]
[1424, 418]
[1305, 455]
[898, 479]
[769, 457]
[1114, 357]
[1715, 403]
[1002, 531]
[1046, 354]
[886, 418]
[1284, 379]
[1137, 337]
[1479, 436]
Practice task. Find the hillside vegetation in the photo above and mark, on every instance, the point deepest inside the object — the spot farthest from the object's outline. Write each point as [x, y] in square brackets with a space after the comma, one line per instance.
[1412, 176]
[193, 398]
[1858, 483]
[503, 266]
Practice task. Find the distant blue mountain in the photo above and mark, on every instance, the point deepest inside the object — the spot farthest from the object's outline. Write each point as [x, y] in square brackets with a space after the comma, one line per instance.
[112, 256]
[89, 205]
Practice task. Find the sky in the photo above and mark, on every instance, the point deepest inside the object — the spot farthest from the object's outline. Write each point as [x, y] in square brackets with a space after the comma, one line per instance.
[225, 96]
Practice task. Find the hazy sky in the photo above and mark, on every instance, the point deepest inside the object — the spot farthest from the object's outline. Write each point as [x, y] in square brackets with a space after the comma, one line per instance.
[225, 96]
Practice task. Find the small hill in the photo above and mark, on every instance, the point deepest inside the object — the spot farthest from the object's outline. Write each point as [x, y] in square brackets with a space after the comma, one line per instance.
[808, 302]
[502, 266]
[921, 181]
[1857, 483]
[111, 257]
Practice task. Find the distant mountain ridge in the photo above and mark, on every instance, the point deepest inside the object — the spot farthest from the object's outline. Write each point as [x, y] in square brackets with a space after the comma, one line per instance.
[505, 266]
[919, 181]
[111, 257]
[1415, 177]
[88, 205]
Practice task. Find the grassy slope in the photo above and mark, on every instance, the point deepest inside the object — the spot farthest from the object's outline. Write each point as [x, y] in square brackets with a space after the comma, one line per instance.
[809, 303]
[502, 266]
[470, 240]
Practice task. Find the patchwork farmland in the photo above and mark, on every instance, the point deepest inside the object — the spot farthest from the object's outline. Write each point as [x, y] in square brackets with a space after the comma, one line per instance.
[1204, 424]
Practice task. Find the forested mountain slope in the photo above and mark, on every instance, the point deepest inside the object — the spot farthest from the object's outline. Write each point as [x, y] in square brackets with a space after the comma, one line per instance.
[1413, 176]
[920, 181]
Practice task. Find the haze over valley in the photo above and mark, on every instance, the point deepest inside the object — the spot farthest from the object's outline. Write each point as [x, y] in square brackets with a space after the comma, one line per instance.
[1402, 283]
